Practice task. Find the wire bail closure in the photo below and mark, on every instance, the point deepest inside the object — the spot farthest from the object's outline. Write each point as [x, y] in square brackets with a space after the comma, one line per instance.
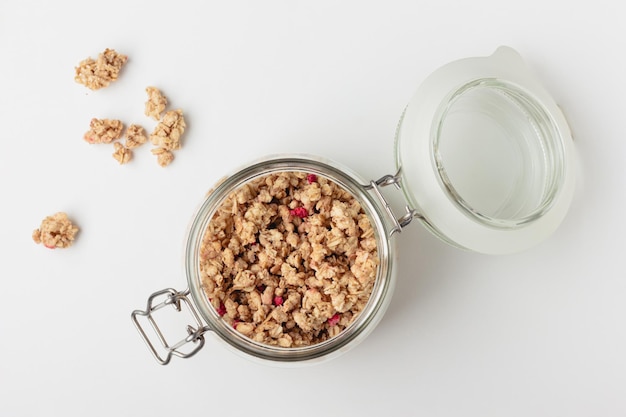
[398, 222]
[195, 333]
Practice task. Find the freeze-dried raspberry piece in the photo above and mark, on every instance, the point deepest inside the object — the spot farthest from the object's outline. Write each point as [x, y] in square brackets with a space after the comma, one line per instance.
[299, 212]
[334, 320]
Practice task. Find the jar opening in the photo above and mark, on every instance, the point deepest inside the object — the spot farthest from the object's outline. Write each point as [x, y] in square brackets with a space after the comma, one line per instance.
[497, 153]
[230, 329]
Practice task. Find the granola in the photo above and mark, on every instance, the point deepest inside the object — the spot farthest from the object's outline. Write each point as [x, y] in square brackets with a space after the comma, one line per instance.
[289, 259]
[135, 136]
[103, 130]
[167, 133]
[156, 103]
[56, 231]
[164, 157]
[99, 73]
[121, 153]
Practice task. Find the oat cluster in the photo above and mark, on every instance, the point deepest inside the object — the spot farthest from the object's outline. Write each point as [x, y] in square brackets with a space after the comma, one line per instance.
[135, 137]
[99, 73]
[110, 130]
[156, 103]
[289, 259]
[56, 231]
[121, 153]
[164, 157]
[103, 130]
[166, 135]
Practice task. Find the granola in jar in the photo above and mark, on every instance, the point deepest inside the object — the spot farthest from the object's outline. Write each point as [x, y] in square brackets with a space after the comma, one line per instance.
[289, 259]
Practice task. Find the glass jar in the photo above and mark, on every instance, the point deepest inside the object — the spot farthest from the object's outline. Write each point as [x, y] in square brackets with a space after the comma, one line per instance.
[483, 159]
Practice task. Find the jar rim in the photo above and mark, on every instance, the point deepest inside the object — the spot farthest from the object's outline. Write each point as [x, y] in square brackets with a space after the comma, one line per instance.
[443, 208]
[531, 135]
[377, 302]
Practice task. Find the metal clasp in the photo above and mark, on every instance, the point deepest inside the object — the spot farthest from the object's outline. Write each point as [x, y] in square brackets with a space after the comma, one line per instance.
[395, 180]
[176, 299]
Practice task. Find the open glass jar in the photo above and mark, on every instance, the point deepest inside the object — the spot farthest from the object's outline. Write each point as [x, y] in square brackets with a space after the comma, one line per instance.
[484, 160]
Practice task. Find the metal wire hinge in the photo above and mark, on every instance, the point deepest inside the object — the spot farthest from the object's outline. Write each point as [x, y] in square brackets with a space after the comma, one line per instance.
[176, 299]
[398, 222]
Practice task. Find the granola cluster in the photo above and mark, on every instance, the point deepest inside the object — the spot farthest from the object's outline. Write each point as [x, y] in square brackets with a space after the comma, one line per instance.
[166, 136]
[99, 73]
[103, 130]
[156, 103]
[121, 153]
[56, 231]
[135, 137]
[289, 259]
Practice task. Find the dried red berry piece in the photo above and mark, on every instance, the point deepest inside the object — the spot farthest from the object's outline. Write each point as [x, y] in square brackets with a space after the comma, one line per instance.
[334, 320]
[299, 212]
[311, 178]
[222, 310]
[278, 300]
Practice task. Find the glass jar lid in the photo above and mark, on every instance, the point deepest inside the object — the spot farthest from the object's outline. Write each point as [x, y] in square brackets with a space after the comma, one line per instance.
[485, 155]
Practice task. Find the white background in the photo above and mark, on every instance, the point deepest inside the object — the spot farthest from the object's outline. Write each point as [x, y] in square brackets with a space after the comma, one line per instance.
[540, 333]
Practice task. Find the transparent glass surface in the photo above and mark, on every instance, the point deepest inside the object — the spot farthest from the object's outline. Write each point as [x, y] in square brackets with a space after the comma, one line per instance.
[498, 153]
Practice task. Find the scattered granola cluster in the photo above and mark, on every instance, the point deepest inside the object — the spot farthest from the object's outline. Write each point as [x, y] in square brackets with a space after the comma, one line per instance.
[156, 103]
[135, 137]
[110, 130]
[96, 74]
[289, 259]
[99, 73]
[56, 231]
[103, 131]
[166, 135]
[121, 153]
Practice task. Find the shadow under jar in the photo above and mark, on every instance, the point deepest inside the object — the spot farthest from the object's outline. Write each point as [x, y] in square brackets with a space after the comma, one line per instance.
[484, 159]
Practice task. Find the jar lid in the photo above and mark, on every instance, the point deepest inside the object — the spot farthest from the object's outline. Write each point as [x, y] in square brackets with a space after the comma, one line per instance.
[485, 155]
